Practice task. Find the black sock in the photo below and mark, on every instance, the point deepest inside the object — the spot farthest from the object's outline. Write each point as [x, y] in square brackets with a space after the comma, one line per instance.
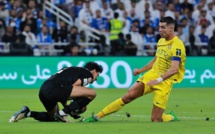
[77, 104]
[41, 116]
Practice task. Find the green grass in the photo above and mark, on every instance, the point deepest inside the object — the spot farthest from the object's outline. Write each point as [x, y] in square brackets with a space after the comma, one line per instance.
[191, 105]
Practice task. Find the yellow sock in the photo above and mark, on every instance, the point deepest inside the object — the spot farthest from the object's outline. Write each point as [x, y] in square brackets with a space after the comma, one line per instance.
[111, 108]
[167, 117]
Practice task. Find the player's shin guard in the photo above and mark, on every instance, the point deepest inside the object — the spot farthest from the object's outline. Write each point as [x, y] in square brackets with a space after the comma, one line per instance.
[41, 116]
[76, 105]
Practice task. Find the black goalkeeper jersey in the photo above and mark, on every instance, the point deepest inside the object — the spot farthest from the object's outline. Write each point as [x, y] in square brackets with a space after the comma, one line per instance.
[69, 75]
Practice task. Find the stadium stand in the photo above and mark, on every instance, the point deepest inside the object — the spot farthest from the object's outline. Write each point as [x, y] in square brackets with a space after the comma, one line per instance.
[50, 26]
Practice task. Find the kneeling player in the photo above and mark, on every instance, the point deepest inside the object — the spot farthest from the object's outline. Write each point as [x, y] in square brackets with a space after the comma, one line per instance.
[66, 84]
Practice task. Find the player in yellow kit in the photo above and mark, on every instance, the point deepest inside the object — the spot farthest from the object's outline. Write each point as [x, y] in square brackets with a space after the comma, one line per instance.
[165, 69]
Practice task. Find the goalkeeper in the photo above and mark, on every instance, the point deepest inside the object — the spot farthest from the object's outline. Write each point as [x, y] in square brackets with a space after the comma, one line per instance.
[166, 68]
[66, 84]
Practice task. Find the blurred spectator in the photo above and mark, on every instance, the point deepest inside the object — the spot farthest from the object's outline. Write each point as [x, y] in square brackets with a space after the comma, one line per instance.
[78, 7]
[185, 5]
[127, 22]
[100, 23]
[198, 28]
[136, 23]
[204, 3]
[185, 26]
[4, 13]
[44, 36]
[211, 45]
[9, 36]
[177, 5]
[74, 31]
[134, 12]
[108, 3]
[210, 29]
[106, 11]
[116, 26]
[30, 37]
[203, 39]
[146, 18]
[211, 9]
[28, 19]
[119, 48]
[120, 9]
[85, 16]
[2, 29]
[7, 4]
[137, 39]
[158, 7]
[170, 10]
[13, 21]
[130, 48]
[59, 2]
[188, 16]
[45, 39]
[133, 17]
[18, 7]
[94, 5]
[180, 33]
[147, 6]
[45, 22]
[196, 12]
[144, 5]
[150, 38]
[127, 4]
[190, 41]
[69, 7]
[47, 13]
[75, 50]
[20, 47]
[67, 48]
[33, 9]
[114, 4]
[145, 23]
[204, 17]
[60, 34]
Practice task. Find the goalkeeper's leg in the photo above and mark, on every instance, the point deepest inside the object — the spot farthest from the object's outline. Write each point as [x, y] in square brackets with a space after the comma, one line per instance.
[40, 116]
[81, 96]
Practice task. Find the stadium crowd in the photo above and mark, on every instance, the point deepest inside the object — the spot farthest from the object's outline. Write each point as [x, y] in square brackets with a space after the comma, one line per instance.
[128, 27]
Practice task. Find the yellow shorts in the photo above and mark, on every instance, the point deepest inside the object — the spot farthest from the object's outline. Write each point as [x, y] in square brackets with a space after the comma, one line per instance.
[161, 90]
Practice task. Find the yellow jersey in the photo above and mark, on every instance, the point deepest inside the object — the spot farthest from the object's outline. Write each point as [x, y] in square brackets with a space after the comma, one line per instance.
[166, 52]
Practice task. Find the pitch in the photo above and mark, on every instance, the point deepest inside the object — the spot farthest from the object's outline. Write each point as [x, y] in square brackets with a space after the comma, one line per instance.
[194, 107]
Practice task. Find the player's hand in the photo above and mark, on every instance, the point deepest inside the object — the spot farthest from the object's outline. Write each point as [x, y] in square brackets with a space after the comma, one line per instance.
[136, 72]
[153, 82]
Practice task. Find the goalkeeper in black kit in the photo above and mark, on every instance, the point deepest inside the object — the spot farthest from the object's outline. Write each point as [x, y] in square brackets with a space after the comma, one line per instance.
[67, 84]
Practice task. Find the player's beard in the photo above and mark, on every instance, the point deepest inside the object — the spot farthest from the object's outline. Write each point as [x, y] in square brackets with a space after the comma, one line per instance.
[161, 35]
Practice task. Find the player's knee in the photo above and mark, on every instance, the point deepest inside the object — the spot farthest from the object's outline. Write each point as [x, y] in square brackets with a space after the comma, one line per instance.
[92, 95]
[126, 100]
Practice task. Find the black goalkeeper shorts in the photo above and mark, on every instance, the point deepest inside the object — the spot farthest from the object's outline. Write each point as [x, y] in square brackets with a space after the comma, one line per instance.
[52, 92]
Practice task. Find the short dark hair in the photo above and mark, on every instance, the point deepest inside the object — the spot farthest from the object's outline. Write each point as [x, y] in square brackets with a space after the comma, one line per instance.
[92, 65]
[73, 37]
[116, 15]
[169, 20]
[128, 36]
